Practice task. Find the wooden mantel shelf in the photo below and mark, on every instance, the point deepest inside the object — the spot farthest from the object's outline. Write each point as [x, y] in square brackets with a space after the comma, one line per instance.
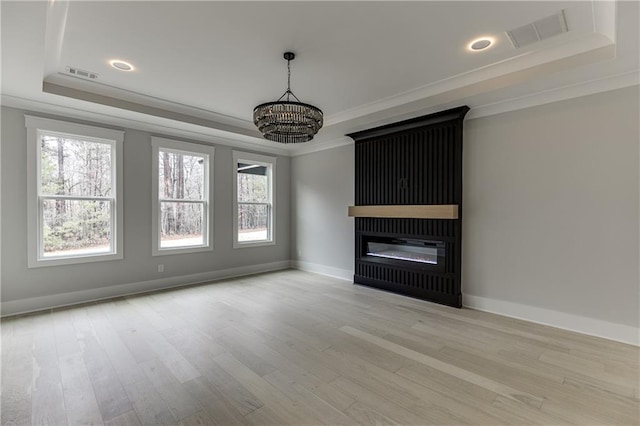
[440, 211]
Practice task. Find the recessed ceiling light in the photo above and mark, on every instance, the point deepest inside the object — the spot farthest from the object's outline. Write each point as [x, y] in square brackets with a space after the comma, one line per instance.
[121, 65]
[480, 44]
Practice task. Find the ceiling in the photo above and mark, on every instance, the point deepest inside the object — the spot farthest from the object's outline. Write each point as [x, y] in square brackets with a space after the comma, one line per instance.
[201, 67]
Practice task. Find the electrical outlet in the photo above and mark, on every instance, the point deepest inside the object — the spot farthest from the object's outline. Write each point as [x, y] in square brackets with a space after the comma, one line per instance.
[161, 268]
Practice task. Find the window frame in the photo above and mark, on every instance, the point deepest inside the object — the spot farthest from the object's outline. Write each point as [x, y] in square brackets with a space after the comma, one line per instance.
[270, 164]
[188, 148]
[36, 126]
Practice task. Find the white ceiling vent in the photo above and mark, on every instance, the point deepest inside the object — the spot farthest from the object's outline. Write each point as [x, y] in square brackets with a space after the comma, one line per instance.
[539, 30]
[77, 72]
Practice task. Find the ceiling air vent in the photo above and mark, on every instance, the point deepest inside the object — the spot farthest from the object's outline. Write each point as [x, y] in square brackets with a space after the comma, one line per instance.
[539, 30]
[82, 73]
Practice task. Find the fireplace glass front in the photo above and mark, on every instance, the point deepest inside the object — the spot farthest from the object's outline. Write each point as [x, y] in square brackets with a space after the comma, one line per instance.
[401, 250]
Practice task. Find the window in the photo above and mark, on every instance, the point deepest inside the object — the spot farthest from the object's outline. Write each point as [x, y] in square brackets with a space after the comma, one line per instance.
[74, 188]
[254, 195]
[182, 191]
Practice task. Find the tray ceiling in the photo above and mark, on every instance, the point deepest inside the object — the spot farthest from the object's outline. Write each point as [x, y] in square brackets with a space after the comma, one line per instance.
[201, 67]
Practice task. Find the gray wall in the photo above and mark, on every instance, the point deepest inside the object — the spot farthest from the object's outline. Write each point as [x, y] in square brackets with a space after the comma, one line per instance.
[550, 207]
[322, 185]
[19, 282]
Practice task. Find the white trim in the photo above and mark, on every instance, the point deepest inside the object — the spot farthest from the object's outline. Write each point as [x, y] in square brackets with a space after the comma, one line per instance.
[563, 56]
[157, 125]
[557, 94]
[605, 18]
[68, 128]
[144, 122]
[322, 146]
[115, 138]
[61, 84]
[249, 244]
[32, 304]
[330, 271]
[580, 324]
[158, 143]
[585, 325]
[270, 164]
[1, 177]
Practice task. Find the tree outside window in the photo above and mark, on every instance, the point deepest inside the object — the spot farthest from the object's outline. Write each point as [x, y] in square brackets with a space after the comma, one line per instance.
[181, 214]
[254, 199]
[74, 188]
[76, 196]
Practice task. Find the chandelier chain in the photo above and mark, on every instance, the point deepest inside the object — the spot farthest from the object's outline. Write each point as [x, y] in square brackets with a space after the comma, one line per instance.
[288, 78]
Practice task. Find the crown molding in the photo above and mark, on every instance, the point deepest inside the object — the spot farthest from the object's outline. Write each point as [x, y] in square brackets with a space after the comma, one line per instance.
[558, 94]
[98, 92]
[152, 124]
[514, 70]
[312, 147]
[160, 126]
[150, 106]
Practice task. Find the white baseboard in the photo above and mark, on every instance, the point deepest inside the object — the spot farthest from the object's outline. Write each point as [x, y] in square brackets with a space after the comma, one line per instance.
[343, 274]
[585, 325]
[591, 326]
[33, 304]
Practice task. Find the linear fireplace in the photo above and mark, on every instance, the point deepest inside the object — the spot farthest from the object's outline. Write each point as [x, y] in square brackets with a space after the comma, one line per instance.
[408, 207]
[408, 252]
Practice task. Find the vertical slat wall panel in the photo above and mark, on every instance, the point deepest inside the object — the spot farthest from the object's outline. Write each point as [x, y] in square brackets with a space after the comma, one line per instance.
[424, 160]
[414, 162]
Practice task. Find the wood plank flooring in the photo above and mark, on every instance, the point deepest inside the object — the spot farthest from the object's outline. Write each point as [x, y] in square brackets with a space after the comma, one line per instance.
[296, 348]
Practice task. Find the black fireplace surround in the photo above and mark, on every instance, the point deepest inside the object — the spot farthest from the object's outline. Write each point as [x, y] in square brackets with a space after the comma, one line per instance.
[410, 163]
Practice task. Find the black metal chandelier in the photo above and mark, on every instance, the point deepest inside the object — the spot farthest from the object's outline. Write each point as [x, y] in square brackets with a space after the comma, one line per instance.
[287, 121]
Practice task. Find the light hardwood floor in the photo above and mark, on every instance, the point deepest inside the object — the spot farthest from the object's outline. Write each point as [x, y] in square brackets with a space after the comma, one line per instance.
[296, 348]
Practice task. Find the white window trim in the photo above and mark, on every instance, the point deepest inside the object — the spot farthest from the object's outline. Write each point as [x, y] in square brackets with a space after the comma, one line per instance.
[158, 143]
[262, 160]
[34, 126]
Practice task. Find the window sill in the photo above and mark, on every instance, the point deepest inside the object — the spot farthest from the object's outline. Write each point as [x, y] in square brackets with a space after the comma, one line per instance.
[184, 250]
[248, 244]
[42, 263]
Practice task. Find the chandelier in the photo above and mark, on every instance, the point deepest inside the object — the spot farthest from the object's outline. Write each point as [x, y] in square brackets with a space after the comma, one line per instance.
[287, 121]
